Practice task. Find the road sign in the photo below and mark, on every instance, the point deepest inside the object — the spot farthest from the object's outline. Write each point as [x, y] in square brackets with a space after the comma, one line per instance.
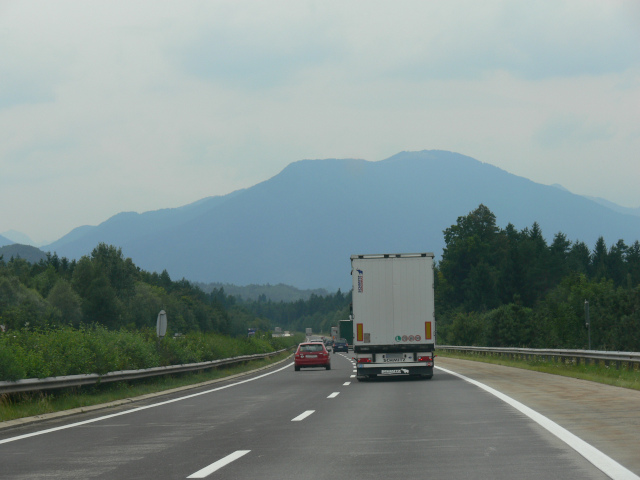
[161, 324]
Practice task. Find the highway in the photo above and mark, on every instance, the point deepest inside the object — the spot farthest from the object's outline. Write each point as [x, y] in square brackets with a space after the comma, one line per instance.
[312, 424]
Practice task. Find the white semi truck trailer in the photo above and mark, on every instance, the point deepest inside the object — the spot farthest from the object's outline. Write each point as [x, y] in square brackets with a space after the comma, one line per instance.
[394, 322]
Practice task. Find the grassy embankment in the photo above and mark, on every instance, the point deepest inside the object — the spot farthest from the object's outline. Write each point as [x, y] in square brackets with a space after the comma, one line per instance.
[39, 403]
[71, 352]
[599, 373]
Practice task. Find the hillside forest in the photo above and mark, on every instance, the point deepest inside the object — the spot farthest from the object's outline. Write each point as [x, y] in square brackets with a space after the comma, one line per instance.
[494, 287]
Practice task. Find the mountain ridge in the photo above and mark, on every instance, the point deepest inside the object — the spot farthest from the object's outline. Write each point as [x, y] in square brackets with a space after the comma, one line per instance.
[26, 252]
[300, 226]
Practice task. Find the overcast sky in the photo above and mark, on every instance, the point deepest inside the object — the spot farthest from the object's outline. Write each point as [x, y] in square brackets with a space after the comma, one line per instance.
[140, 105]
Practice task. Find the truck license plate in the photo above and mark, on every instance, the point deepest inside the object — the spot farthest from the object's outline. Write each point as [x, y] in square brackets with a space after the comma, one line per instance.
[393, 357]
[399, 371]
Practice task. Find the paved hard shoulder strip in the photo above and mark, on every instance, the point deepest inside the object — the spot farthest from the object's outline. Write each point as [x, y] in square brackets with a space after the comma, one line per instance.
[604, 416]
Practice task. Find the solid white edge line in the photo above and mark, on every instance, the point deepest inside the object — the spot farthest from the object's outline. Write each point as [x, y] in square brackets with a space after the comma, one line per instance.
[206, 471]
[334, 395]
[77, 424]
[302, 416]
[601, 461]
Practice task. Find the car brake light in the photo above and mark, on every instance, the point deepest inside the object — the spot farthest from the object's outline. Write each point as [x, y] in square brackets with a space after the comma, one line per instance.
[364, 360]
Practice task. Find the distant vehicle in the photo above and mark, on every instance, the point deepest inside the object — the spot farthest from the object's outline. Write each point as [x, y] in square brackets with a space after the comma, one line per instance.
[340, 345]
[393, 314]
[346, 331]
[312, 354]
[334, 333]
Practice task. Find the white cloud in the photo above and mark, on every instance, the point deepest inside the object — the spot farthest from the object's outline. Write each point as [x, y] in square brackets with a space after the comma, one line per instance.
[114, 106]
[571, 131]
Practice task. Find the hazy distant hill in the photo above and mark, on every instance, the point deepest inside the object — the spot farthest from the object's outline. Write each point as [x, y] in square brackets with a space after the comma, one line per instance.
[5, 241]
[275, 293]
[300, 227]
[617, 208]
[26, 252]
[125, 226]
[17, 237]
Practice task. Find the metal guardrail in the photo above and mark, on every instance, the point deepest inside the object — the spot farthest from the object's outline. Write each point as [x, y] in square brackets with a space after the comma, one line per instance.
[586, 357]
[36, 384]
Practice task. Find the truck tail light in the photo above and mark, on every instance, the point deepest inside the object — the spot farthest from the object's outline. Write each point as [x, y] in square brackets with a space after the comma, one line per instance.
[364, 360]
[425, 359]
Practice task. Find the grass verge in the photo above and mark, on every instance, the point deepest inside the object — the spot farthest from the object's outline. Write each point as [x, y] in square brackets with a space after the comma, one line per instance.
[600, 373]
[21, 405]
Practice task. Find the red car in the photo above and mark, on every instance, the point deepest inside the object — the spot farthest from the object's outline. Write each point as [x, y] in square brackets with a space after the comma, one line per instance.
[312, 354]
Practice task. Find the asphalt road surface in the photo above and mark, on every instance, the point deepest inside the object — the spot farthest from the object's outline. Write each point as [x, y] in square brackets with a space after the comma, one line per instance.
[312, 424]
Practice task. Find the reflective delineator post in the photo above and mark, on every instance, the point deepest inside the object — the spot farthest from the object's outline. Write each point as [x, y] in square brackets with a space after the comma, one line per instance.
[587, 322]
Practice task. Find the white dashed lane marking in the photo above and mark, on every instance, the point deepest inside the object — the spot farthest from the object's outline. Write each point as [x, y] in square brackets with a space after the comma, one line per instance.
[206, 471]
[302, 416]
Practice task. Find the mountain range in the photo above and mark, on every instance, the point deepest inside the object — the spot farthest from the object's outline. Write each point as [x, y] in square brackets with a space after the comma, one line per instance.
[26, 252]
[301, 226]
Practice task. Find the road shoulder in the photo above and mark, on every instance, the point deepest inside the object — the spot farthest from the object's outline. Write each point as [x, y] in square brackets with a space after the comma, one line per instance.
[606, 417]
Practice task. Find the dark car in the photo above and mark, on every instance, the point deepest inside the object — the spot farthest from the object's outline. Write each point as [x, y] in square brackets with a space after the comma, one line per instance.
[340, 345]
[312, 354]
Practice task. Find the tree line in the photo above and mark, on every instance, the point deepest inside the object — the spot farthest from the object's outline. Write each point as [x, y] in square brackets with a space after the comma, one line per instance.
[494, 287]
[98, 314]
[509, 288]
[106, 289]
[318, 312]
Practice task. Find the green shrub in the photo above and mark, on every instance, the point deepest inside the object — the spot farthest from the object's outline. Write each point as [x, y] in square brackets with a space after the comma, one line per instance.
[64, 350]
[10, 367]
